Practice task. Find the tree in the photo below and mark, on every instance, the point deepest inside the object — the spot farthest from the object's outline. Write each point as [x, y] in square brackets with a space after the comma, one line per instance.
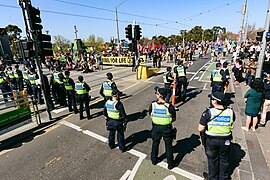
[14, 32]
[61, 44]
[230, 35]
[208, 35]
[94, 42]
[195, 34]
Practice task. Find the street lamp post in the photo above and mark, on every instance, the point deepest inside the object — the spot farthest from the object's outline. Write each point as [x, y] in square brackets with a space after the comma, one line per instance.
[117, 26]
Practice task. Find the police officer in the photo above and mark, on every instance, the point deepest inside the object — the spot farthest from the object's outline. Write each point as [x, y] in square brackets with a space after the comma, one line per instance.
[19, 77]
[33, 77]
[216, 124]
[70, 86]
[4, 86]
[82, 89]
[180, 75]
[115, 115]
[61, 90]
[25, 74]
[55, 84]
[168, 79]
[107, 87]
[162, 115]
[12, 79]
[218, 79]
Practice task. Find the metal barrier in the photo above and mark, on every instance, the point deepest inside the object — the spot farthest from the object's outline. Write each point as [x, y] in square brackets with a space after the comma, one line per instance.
[18, 107]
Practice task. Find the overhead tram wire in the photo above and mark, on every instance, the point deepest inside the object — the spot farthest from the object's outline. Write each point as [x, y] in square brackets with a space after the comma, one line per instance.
[84, 16]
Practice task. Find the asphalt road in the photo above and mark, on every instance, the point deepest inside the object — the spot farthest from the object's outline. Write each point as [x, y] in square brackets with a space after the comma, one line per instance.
[74, 149]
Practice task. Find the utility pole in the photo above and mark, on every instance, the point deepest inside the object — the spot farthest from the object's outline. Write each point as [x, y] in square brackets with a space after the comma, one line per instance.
[244, 10]
[246, 27]
[117, 31]
[76, 31]
[31, 35]
[263, 46]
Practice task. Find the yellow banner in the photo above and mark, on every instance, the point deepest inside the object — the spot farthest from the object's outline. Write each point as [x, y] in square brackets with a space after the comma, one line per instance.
[121, 60]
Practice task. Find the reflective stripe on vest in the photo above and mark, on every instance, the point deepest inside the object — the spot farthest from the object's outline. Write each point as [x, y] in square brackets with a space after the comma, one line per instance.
[216, 75]
[160, 114]
[113, 113]
[80, 89]
[181, 71]
[107, 88]
[221, 124]
[11, 74]
[32, 79]
[67, 85]
[165, 78]
[25, 74]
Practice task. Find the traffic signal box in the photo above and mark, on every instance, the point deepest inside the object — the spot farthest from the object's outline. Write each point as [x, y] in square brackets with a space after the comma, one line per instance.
[129, 32]
[137, 32]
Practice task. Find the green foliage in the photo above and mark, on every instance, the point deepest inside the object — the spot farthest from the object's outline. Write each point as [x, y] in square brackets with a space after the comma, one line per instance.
[61, 44]
[95, 43]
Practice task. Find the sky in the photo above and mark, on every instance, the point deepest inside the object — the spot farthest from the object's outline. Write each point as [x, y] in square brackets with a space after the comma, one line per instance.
[156, 17]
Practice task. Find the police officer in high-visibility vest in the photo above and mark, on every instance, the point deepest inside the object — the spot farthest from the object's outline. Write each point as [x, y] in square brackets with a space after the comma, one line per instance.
[82, 89]
[19, 77]
[70, 91]
[36, 88]
[12, 78]
[180, 75]
[115, 115]
[55, 81]
[162, 115]
[25, 74]
[168, 80]
[216, 126]
[4, 86]
[107, 87]
[218, 79]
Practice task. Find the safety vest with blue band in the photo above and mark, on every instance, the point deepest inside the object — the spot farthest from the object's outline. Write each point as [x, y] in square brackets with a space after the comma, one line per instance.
[32, 79]
[11, 74]
[25, 75]
[56, 78]
[80, 89]
[181, 71]
[221, 124]
[160, 114]
[107, 88]
[217, 77]
[67, 85]
[165, 80]
[113, 113]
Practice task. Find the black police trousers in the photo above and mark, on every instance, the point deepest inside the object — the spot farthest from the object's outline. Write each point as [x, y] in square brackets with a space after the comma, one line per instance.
[217, 151]
[71, 101]
[182, 82]
[84, 100]
[165, 132]
[6, 92]
[169, 92]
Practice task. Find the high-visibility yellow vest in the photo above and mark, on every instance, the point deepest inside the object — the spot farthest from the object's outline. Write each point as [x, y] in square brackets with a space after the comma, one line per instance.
[160, 114]
[2, 80]
[165, 78]
[32, 78]
[56, 78]
[181, 71]
[107, 88]
[113, 113]
[217, 77]
[16, 74]
[67, 85]
[220, 124]
[25, 75]
[80, 89]
[10, 74]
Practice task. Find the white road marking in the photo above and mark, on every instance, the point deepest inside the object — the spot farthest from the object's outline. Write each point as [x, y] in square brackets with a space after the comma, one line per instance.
[196, 78]
[59, 110]
[191, 72]
[204, 87]
[205, 71]
[201, 72]
[198, 71]
[125, 176]
[181, 172]
[170, 177]
[141, 155]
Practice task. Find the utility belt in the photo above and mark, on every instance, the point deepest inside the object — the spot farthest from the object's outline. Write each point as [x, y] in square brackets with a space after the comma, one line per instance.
[115, 120]
[168, 126]
[229, 137]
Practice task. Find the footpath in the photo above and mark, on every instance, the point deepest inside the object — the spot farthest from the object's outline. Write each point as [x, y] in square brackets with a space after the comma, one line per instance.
[253, 155]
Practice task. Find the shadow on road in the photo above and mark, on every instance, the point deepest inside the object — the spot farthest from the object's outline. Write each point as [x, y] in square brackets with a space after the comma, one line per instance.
[184, 147]
[137, 138]
[191, 94]
[236, 156]
[137, 115]
[228, 98]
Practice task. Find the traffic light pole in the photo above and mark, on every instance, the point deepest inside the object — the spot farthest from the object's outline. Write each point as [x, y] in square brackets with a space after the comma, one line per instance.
[263, 47]
[31, 35]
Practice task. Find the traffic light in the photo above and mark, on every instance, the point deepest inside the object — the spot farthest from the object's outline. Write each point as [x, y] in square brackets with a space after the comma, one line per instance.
[259, 36]
[137, 32]
[25, 48]
[45, 45]
[129, 32]
[35, 18]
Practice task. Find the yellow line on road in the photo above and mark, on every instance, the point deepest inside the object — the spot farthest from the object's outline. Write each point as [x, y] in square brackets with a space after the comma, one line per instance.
[53, 160]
